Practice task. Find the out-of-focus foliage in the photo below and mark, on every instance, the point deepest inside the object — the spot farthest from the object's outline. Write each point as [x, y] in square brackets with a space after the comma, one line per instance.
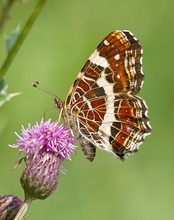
[11, 39]
[4, 95]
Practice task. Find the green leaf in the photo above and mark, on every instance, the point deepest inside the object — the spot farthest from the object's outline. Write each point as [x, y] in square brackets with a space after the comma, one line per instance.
[12, 38]
[2, 84]
[4, 96]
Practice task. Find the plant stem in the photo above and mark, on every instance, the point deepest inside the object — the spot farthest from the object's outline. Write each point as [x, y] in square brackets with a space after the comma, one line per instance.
[22, 211]
[5, 15]
[12, 53]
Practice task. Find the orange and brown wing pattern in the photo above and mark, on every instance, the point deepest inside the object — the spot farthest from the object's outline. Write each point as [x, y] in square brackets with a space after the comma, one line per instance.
[117, 60]
[117, 124]
[103, 102]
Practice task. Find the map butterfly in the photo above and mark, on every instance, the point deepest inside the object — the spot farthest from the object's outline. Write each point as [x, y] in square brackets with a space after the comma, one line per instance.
[102, 107]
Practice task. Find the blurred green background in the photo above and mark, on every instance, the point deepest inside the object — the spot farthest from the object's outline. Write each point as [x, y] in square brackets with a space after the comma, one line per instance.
[59, 43]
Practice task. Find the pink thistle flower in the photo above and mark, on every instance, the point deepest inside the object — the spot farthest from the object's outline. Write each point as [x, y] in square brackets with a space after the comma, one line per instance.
[46, 137]
[46, 146]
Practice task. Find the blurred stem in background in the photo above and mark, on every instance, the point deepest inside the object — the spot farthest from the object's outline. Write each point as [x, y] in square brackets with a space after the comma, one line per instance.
[22, 34]
[14, 43]
[5, 13]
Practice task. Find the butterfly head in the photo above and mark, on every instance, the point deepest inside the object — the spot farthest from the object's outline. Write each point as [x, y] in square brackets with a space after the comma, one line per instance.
[59, 103]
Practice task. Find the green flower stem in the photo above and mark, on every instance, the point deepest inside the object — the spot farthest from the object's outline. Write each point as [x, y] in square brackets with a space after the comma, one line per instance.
[12, 53]
[5, 14]
[22, 211]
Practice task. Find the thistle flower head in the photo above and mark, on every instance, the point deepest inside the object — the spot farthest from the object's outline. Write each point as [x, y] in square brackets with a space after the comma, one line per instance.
[46, 137]
[46, 146]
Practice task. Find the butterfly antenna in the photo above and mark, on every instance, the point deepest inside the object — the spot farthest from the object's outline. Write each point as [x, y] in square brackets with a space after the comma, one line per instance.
[58, 102]
[38, 85]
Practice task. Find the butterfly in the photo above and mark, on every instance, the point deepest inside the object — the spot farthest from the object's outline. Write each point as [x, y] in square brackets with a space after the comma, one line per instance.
[102, 107]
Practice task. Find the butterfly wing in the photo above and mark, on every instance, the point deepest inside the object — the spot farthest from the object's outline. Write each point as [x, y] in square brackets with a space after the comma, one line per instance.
[103, 101]
[117, 63]
[117, 123]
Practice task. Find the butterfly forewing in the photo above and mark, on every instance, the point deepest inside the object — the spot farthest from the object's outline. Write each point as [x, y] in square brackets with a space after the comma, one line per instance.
[102, 107]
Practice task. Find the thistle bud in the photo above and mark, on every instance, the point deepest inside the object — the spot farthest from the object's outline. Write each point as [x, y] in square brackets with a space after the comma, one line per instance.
[9, 206]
